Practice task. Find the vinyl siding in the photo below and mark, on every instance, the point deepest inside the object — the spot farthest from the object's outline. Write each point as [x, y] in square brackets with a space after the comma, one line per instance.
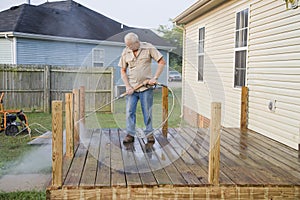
[218, 67]
[31, 51]
[6, 48]
[273, 68]
[274, 71]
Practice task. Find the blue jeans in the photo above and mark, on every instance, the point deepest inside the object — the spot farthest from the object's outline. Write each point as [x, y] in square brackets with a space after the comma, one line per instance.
[146, 100]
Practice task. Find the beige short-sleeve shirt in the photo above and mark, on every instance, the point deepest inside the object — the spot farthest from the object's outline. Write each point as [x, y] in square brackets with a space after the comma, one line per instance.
[139, 66]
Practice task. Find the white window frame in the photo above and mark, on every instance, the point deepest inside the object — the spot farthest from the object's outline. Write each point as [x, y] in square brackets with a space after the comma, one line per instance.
[96, 61]
[240, 48]
[200, 54]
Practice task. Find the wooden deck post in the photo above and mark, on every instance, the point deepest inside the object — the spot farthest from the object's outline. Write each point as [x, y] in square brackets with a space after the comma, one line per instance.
[76, 116]
[69, 126]
[244, 110]
[57, 144]
[165, 94]
[47, 85]
[214, 149]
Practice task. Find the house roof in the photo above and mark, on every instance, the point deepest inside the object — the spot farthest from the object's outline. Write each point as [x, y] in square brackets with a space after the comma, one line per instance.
[144, 36]
[65, 19]
[196, 10]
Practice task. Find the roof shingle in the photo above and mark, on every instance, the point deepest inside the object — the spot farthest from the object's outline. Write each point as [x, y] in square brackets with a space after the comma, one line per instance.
[69, 19]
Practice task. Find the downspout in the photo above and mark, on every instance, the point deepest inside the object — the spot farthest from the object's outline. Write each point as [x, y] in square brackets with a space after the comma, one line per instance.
[13, 47]
[183, 65]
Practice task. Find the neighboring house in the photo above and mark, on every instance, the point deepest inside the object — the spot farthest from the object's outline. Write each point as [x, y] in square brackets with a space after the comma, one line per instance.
[66, 33]
[230, 44]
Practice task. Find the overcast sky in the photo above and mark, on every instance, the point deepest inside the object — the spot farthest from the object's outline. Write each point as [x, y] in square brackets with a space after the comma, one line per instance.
[137, 13]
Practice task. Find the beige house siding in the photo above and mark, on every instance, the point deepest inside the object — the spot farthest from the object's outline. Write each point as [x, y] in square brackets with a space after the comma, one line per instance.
[6, 51]
[219, 64]
[273, 68]
[274, 71]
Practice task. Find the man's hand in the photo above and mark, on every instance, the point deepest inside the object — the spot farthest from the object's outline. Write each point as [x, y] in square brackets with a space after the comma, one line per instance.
[129, 90]
[152, 81]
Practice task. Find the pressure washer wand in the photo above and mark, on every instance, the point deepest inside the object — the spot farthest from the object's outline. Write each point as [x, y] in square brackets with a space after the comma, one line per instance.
[144, 84]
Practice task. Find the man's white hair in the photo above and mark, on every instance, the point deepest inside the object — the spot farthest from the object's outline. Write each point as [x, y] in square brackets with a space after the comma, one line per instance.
[131, 38]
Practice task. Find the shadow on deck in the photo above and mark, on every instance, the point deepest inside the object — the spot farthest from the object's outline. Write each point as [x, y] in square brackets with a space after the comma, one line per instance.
[251, 167]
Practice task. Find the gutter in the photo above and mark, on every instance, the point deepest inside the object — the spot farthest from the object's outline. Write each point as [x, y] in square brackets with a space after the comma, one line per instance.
[196, 10]
[69, 39]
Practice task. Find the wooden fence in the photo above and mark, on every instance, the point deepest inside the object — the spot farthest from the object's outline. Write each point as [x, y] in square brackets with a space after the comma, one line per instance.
[33, 87]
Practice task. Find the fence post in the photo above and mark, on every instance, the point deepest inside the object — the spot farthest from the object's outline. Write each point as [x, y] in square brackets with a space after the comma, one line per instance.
[82, 104]
[57, 144]
[76, 116]
[165, 93]
[47, 91]
[112, 106]
[214, 149]
[244, 110]
[69, 125]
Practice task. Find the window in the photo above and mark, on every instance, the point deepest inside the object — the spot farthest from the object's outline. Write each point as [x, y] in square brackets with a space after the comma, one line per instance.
[201, 53]
[241, 42]
[98, 57]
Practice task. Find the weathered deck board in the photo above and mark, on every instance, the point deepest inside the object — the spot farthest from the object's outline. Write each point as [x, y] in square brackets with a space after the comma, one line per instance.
[175, 176]
[199, 151]
[276, 155]
[181, 166]
[130, 164]
[117, 167]
[190, 155]
[229, 165]
[260, 174]
[252, 167]
[257, 165]
[103, 177]
[182, 148]
[90, 168]
[74, 174]
[157, 169]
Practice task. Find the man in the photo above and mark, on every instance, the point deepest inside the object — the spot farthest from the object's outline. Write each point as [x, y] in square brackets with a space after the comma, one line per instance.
[135, 63]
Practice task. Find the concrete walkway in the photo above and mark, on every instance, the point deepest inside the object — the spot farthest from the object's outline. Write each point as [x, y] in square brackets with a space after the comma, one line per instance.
[24, 182]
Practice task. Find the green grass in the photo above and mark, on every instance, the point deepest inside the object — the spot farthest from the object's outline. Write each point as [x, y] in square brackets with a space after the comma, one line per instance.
[25, 195]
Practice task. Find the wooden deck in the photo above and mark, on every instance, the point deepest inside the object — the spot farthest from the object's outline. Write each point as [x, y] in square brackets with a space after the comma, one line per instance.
[251, 167]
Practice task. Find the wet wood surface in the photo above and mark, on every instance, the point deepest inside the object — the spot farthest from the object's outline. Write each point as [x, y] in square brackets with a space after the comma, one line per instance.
[176, 167]
[180, 159]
